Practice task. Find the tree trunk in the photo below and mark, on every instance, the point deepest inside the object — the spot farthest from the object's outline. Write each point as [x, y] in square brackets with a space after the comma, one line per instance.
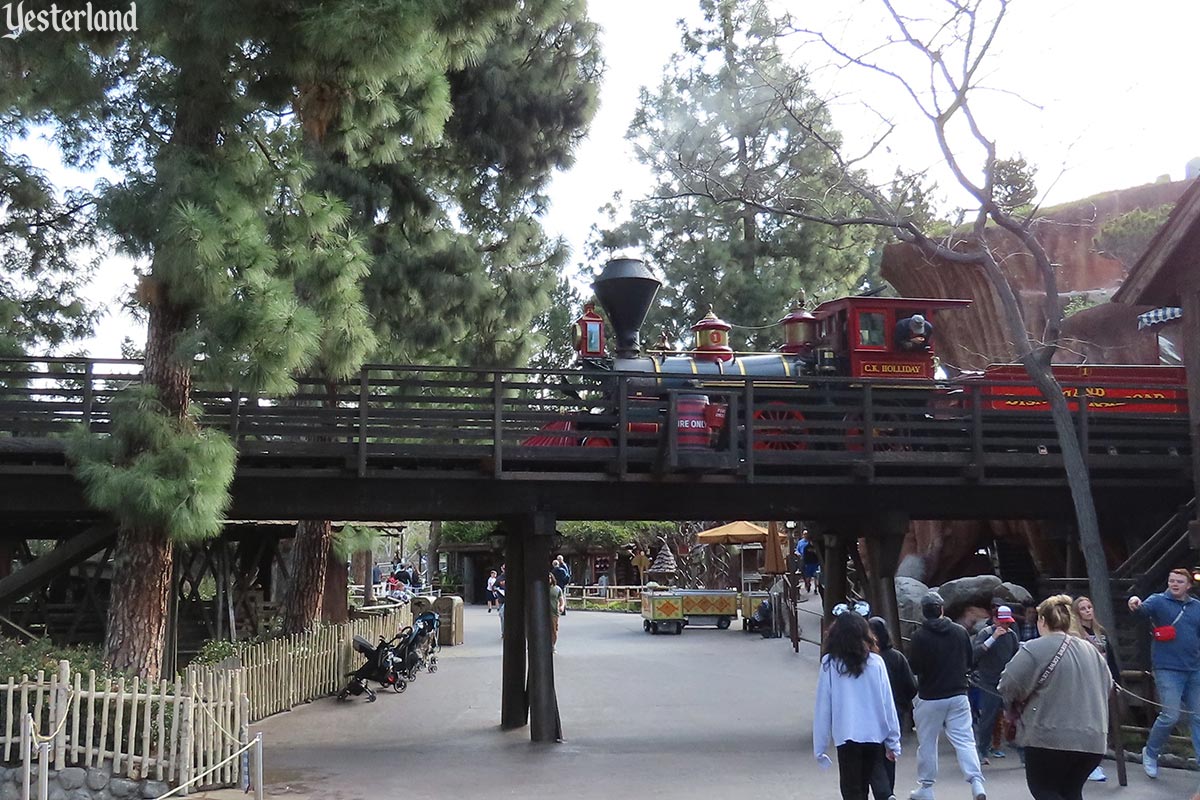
[137, 610]
[137, 617]
[435, 544]
[335, 605]
[363, 567]
[310, 559]
[1079, 481]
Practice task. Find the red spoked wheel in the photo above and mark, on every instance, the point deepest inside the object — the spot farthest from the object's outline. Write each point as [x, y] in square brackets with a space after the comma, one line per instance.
[769, 437]
[881, 434]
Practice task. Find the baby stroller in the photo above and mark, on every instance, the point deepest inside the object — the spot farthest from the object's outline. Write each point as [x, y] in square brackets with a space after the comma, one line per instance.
[380, 666]
[760, 621]
[418, 647]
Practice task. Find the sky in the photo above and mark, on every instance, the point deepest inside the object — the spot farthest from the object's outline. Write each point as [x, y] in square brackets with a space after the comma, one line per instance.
[1095, 93]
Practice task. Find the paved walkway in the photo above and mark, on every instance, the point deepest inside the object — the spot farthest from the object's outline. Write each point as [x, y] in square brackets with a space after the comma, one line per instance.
[709, 714]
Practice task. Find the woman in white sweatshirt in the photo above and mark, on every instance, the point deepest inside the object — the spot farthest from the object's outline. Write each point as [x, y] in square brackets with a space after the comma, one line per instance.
[855, 711]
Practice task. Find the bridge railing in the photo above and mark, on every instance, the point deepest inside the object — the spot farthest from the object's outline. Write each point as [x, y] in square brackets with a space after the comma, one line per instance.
[390, 418]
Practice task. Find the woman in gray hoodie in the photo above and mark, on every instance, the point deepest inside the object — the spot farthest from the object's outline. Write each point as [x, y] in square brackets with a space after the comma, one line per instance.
[1061, 684]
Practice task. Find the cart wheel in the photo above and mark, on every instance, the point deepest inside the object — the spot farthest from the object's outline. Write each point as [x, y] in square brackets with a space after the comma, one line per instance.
[646, 625]
[372, 698]
[653, 627]
[399, 685]
[723, 623]
[412, 675]
[344, 694]
[678, 628]
[432, 665]
[745, 624]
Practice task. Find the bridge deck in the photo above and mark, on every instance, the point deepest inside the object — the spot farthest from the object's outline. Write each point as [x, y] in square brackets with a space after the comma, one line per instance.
[458, 443]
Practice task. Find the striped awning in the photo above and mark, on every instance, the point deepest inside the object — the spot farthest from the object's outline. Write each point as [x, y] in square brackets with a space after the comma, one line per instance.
[1159, 315]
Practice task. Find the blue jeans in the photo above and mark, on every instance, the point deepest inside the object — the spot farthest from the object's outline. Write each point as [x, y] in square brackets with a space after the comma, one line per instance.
[990, 704]
[1177, 690]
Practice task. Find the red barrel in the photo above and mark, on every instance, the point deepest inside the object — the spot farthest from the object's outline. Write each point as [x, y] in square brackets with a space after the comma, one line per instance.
[692, 425]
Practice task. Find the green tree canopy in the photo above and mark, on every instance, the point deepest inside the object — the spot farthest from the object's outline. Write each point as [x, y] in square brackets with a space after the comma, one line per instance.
[728, 110]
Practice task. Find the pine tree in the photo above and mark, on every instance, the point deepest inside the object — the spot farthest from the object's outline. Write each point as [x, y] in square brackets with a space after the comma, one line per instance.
[460, 264]
[719, 112]
[47, 236]
[245, 264]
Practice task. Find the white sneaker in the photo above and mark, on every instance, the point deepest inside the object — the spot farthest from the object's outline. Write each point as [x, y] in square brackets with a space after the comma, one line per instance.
[921, 793]
[1150, 764]
[1098, 775]
[977, 791]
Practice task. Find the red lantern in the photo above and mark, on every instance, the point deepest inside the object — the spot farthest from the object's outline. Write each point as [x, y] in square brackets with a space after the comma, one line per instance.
[589, 333]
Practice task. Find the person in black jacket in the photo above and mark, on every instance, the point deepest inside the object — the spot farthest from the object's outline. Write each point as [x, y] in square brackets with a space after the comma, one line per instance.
[904, 689]
[940, 655]
[995, 646]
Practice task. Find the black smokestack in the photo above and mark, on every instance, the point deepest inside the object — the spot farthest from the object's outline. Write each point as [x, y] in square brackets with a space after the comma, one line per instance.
[625, 289]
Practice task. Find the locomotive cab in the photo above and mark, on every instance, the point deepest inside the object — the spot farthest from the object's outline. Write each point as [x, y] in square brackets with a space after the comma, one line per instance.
[862, 337]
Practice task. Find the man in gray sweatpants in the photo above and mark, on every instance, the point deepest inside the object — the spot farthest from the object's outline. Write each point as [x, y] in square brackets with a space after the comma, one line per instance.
[940, 656]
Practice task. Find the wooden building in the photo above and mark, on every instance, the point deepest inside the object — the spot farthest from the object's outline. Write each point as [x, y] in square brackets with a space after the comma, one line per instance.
[1168, 275]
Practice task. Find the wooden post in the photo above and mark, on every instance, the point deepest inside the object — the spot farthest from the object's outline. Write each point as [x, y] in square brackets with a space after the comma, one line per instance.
[26, 752]
[545, 723]
[1114, 732]
[497, 424]
[514, 700]
[364, 394]
[833, 567]
[61, 707]
[89, 393]
[885, 538]
[187, 732]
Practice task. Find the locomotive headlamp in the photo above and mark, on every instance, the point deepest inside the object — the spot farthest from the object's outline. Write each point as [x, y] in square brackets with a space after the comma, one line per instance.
[589, 333]
[712, 338]
[799, 330]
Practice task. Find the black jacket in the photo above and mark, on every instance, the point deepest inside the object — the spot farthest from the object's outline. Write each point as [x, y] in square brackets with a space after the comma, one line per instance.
[904, 685]
[940, 655]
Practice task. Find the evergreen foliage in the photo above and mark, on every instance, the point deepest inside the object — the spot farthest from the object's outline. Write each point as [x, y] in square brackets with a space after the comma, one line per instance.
[1127, 236]
[581, 535]
[462, 265]
[728, 114]
[152, 473]
[353, 539]
[44, 259]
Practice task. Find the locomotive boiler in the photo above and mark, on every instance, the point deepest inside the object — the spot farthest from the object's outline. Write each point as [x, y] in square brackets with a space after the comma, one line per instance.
[808, 393]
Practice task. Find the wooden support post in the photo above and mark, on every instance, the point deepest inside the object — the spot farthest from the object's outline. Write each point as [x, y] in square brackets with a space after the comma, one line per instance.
[545, 724]
[833, 567]
[885, 538]
[514, 701]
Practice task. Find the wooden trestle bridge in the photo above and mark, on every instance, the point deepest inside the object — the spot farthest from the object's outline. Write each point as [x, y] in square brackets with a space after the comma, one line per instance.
[413, 442]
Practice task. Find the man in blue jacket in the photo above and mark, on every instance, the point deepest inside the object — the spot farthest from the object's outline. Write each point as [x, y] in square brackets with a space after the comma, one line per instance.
[1175, 657]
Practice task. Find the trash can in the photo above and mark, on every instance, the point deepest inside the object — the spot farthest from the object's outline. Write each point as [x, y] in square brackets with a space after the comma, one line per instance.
[420, 604]
[449, 609]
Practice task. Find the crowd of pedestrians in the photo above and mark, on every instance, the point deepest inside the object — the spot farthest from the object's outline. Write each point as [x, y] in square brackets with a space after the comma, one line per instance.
[1039, 676]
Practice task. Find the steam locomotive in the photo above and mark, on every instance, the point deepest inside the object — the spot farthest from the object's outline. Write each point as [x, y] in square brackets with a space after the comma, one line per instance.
[887, 342]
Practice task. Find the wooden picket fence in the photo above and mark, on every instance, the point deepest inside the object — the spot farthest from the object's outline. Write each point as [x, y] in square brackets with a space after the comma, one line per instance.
[282, 673]
[178, 731]
[147, 730]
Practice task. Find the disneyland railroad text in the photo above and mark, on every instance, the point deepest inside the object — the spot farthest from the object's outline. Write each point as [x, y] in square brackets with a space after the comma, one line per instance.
[18, 21]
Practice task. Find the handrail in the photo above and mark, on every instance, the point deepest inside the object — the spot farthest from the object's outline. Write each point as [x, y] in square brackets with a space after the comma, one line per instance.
[486, 418]
[1166, 530]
